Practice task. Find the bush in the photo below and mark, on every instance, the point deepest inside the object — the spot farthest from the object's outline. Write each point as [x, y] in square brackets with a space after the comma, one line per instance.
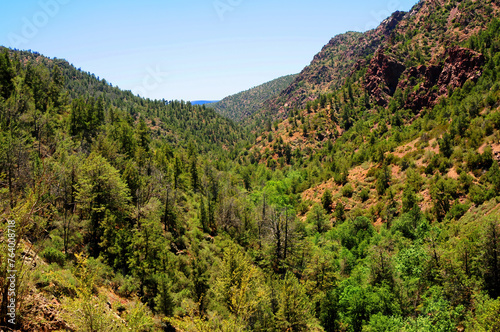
[442, 191]
[303, 207]
[327, 201]
[100, 270]
[341, 178]
[411, 225]
[477, 194]
[125, 286]
[347, 190]
[479, 161]
[457, 211]
[55, 281]
[383, 180]
[465, 181]
[52, 255]
[364, 195]
[494, 117]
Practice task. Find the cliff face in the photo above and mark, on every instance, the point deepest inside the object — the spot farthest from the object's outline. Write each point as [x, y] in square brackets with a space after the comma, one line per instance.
[382, 77]
[436, 81]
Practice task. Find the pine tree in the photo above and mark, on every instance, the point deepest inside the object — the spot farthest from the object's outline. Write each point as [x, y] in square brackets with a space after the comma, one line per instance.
[143, 136]
[56, 87]
[6, 75]
[294, 307]
[339, 212]
[102, 196]
[327, 201]
[204, 216]
[194, 174]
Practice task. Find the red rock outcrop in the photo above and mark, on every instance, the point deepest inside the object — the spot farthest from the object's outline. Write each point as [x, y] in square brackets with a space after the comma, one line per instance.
[461, 65]
[382, 77]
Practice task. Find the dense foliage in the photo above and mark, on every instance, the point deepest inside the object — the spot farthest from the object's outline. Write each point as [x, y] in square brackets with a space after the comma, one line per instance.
[347, 216]
[243, 105]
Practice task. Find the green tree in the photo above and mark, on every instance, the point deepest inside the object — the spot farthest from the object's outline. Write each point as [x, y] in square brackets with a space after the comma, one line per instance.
[383, 180]
[240, 287]
[327, 200]
[87, 312]
[486, 314]
[494, 177]
[317, 217]
[329, 311]
[446, 145]
[194, 174]
[204, 216]
[442, 192]
[339, 212]
[491, 257]
[6, 75]
[56, 87]
[101, 194]
[295, 312]
[177, 171]
[143, 135]
[409, 199]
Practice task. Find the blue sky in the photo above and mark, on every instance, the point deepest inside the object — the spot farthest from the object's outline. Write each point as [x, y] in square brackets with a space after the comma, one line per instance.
[186, 49]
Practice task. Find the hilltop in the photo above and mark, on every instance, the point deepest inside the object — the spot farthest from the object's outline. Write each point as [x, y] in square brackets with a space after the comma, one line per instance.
[241, 106]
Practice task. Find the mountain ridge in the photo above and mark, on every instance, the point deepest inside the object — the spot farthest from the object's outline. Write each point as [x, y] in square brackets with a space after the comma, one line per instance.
[242, 105]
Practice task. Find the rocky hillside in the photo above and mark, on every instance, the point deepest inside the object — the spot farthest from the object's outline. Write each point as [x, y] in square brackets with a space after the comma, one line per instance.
[331, 66]
[244, 104]
[422, 37]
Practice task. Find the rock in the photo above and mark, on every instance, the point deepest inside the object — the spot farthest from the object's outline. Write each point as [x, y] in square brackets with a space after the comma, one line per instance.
[392, 21]
[382, 77]
[461, 65]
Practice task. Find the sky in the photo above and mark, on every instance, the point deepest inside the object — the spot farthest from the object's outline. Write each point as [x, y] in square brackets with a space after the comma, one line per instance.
[186, 49]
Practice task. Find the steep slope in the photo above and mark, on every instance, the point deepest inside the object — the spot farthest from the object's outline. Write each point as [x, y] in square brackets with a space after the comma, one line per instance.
[416, 100]
[412, 62]
[422, 35]
[330, 67]
[242, 105]
[84, 169]
[177, 121]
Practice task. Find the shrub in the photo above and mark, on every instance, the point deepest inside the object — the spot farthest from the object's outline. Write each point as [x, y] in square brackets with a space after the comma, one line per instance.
[383, 180]
[477, 194]
[347, 190]
[457, 211]
[364, 195]
[465, 181]
[341, 178]
[327, 201]
[125, 286]
[52, 255]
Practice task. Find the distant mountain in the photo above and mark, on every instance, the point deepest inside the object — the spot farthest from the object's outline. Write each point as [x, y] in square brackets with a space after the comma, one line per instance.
[203, 102]
[244, 104]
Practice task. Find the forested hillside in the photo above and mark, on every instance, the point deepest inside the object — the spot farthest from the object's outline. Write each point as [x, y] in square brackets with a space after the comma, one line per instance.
[242, 105]
[367, 200]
